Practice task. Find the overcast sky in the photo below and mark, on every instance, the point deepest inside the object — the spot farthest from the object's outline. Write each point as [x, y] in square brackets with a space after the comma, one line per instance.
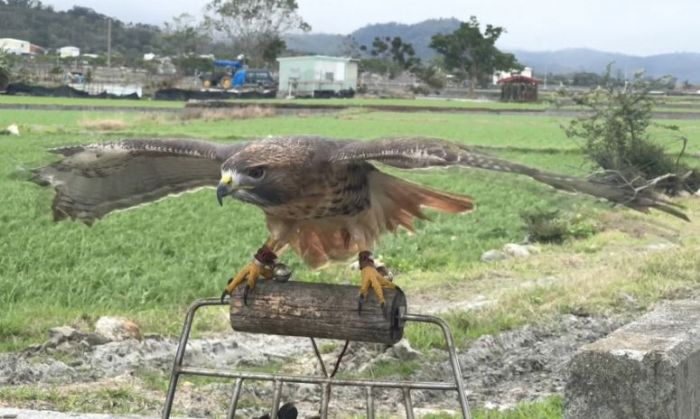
[637, 27]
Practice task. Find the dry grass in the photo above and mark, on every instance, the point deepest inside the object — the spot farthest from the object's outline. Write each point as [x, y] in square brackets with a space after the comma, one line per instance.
[103, 124]
[153, 118]
[247, 112]
[636, 262]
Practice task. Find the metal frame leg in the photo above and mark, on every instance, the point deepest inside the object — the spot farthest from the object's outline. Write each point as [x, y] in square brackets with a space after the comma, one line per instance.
[456, 369]
[180, 354]
[234, 398]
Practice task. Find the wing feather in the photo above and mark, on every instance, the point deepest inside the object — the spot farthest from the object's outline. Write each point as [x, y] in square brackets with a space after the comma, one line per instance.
[411, 153]
[93, 180]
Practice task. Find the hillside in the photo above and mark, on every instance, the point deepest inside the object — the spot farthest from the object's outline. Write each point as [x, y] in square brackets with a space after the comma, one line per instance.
[684, 66]
[417, 34]
[80, 26]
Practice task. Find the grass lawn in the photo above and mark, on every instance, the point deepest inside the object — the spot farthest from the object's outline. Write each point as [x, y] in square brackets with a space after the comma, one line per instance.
[144, 264]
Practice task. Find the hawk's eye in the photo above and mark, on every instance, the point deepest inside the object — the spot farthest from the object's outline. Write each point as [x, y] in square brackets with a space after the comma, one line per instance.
[256, 172]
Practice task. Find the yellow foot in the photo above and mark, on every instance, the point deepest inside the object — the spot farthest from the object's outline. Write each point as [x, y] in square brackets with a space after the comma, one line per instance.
[371, 278]
[250, 275]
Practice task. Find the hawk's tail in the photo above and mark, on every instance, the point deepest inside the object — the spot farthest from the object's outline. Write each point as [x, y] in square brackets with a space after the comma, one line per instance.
[400, 201]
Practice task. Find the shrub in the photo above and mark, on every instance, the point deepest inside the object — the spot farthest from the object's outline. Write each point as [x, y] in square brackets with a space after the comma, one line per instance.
[614, 130]
[550, 226]
[5, 73]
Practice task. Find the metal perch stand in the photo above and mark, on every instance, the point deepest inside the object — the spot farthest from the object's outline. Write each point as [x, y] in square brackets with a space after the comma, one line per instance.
[317, 311]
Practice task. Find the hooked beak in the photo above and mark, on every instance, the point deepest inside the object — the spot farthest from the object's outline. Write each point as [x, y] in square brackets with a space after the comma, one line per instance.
[221, 191]
[224, 188]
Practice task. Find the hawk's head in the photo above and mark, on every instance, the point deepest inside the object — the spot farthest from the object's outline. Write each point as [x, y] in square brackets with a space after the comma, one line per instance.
[266, 173]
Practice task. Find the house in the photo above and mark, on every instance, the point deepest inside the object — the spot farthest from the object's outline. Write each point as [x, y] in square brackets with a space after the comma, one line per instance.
[69, 52]
[19, 47]
[317, 76]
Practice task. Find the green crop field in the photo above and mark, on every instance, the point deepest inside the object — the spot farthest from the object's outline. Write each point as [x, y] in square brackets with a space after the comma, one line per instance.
[149, 263]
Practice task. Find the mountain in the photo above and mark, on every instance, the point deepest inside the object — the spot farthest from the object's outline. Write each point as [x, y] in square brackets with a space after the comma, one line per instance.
[80, 26]
[684, 66]
[417, 34]
[316, 43]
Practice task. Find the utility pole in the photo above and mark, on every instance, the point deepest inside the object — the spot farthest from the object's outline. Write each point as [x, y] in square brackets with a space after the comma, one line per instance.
[109, 43]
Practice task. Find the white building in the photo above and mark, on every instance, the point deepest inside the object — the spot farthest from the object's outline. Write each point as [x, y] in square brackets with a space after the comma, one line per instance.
[317, 75]
[500, 75]
[19, 46]
[68, 52]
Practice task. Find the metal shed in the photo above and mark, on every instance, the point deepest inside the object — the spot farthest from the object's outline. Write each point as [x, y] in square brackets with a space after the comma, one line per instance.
[317, 76]
[519, 89]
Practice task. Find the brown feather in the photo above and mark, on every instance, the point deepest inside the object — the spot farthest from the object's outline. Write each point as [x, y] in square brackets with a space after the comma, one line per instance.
[394, 203]
[406, 199]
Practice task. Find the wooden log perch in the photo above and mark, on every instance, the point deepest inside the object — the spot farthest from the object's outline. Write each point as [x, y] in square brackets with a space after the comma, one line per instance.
[319, 311]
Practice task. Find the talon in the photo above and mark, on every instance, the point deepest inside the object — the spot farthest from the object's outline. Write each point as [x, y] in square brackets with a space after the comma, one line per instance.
[374, 279]
[249, 275]
[245, 295]
[360, 302]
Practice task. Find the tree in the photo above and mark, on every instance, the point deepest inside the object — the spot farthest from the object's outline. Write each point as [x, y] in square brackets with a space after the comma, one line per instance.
[184, 36]
[471, 54]
[390, 56]
[255, 26]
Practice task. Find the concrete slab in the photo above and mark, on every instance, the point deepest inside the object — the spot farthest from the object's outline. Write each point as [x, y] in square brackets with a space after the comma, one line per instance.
[647, 369]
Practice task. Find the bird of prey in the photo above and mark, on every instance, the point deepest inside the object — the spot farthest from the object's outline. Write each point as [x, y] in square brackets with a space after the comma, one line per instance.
[323, 198]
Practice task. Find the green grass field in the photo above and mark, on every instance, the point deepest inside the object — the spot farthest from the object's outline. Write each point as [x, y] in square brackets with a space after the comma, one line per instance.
[145, 264]
[148, 264]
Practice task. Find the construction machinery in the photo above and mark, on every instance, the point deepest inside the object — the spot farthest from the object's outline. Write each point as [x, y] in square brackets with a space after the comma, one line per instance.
[232, 75]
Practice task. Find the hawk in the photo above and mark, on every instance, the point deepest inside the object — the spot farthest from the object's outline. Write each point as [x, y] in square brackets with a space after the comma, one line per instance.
[323, 198]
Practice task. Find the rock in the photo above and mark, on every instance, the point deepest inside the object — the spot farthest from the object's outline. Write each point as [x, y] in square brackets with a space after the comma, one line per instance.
[58, 335]
[13, 129]
[116, 329]
[403, 351]
[516, 250]
[533, 249]
[647, 369]
[683, 194]
[93, 339]
[492, 256]
[657, 247]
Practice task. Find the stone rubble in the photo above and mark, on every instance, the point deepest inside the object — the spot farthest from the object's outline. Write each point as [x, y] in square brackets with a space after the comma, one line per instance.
[523, 364]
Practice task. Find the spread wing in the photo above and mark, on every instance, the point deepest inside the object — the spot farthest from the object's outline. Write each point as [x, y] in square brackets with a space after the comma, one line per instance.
[411, 153]
[93, 180]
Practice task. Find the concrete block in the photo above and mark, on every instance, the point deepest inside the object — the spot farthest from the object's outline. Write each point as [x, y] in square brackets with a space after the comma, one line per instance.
[646, 369]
